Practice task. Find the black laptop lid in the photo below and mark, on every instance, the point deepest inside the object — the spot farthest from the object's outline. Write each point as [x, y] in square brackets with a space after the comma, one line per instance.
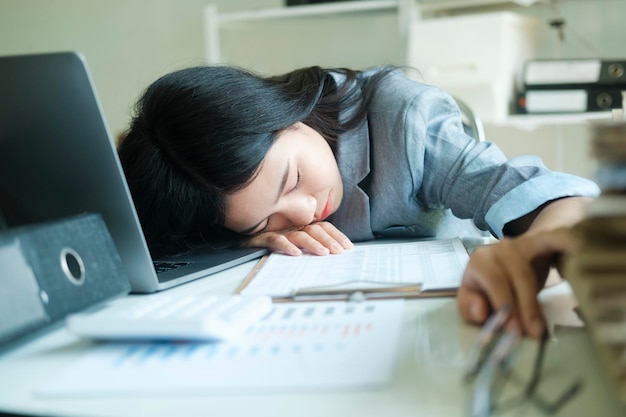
[57, 158]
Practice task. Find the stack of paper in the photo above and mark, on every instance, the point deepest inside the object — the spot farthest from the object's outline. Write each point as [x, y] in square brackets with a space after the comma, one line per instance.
[597, 272]
[390, 269]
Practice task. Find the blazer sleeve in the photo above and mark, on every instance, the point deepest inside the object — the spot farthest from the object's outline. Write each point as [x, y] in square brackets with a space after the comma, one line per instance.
[475, 179]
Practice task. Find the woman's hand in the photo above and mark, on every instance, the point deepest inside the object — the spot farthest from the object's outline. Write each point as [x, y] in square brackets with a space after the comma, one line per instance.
[320, 238]
[512, 272]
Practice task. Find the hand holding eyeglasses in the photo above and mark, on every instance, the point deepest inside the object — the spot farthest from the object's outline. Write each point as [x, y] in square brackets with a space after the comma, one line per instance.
[491, 367]
[511, 273]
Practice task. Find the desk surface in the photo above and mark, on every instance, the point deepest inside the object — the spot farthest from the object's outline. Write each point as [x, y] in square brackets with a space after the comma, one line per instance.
[427, 381]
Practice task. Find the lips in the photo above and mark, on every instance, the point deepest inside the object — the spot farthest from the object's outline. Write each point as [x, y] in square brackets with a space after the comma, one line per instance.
[327, 209]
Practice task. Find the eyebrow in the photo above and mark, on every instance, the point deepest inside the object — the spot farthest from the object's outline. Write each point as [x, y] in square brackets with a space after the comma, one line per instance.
[283, 181]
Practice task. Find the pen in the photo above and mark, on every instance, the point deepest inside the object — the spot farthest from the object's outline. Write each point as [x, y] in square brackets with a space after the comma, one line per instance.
[354, 296]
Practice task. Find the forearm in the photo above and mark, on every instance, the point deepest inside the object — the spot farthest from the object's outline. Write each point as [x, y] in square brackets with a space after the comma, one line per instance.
[563, 212]
[560, 213]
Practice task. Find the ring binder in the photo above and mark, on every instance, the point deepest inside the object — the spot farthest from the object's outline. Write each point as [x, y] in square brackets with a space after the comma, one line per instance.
[566, 73]
[56, 268]
[570, 100]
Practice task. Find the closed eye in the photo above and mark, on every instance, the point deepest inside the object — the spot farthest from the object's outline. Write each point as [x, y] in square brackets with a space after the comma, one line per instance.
[298, 182]
[263, 230]
[252, 231]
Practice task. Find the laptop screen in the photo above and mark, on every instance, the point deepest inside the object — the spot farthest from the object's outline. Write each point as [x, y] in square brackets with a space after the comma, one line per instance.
[58, 159]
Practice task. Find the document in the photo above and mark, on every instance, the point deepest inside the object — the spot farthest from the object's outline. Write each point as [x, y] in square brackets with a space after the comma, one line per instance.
[415, 268]
[297, 346]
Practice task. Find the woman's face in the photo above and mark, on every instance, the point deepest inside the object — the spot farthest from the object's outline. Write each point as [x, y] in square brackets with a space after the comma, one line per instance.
[298, 183]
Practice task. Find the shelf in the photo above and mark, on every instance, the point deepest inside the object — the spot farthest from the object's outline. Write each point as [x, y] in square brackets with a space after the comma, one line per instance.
[214, 20]
[468, 4]
[407, 10]
[358, 6]
[310, 10]
[532, 121]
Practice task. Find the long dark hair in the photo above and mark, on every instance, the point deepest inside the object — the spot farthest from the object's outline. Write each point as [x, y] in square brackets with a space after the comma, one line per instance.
[200, 134]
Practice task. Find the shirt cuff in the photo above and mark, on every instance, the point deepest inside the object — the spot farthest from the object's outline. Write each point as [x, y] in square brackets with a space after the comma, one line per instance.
[531, 194]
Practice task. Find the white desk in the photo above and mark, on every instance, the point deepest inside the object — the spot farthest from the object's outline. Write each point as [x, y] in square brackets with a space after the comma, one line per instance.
[427, 382]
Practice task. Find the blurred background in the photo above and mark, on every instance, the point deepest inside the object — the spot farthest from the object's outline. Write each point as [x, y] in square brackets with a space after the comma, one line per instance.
[129, 43]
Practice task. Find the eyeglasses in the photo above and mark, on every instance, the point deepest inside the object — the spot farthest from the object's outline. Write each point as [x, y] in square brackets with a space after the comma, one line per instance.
[491, 368]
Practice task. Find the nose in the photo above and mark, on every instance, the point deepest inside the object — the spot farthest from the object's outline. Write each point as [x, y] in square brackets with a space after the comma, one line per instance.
[299, 210]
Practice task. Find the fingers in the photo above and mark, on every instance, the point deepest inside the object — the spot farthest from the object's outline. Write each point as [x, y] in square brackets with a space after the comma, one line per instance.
[473, 305]
[327, 236]
[505, 274]
[313, 241]
[336, 234]
[536, 253]
[488, 285]
[525, 285]
[317, 238]
[275, 242]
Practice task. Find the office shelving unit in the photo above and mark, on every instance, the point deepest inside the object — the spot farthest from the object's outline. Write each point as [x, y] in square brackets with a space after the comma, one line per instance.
[532, 121]
[406, 11]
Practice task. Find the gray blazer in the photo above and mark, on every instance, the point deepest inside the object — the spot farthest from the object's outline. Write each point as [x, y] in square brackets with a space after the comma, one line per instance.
[411, 170]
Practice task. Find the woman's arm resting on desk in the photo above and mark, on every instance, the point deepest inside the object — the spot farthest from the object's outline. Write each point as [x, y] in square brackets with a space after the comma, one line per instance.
[513, 271]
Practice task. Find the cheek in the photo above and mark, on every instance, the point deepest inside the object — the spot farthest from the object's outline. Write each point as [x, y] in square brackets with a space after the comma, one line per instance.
[326, 166]
[237, 213]
[231, 218]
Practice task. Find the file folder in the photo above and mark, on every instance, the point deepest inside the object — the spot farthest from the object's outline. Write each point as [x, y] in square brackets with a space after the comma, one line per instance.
[576, 100]
[559, 73]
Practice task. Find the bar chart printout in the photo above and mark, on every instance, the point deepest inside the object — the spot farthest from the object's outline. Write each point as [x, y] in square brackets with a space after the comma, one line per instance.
[298, 346]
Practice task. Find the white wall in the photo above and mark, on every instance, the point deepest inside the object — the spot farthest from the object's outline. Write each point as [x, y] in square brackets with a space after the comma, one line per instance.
[129, 43]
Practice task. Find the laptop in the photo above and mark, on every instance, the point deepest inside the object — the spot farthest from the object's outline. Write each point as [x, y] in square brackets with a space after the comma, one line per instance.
[58, 159]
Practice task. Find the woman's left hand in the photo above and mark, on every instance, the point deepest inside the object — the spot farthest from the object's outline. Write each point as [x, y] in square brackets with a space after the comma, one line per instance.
[511, 273]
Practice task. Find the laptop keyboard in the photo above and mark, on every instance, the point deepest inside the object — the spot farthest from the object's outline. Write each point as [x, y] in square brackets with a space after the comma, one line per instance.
[161, 267]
